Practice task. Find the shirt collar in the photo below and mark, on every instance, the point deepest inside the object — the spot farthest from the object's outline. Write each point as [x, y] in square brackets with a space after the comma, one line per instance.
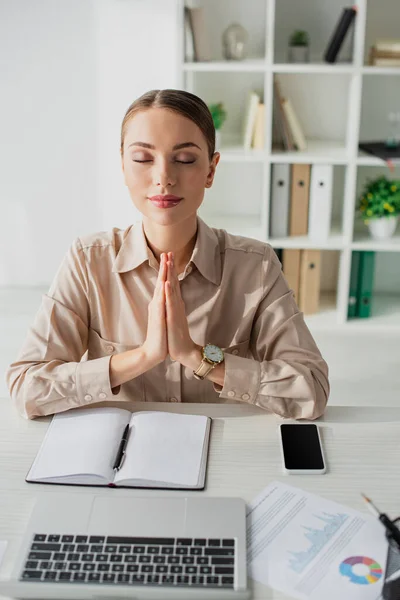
[206, 254]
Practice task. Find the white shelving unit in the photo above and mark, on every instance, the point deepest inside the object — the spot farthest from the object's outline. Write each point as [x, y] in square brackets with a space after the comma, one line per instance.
[338, 105]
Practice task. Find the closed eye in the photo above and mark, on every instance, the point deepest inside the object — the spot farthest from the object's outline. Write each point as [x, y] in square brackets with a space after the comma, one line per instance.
[183, 162]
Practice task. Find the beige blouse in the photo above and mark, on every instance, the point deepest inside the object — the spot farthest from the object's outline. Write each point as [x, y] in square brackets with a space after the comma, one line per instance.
[235, 296]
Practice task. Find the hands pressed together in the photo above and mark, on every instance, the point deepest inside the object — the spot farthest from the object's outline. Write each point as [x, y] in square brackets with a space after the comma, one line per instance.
[167, 327]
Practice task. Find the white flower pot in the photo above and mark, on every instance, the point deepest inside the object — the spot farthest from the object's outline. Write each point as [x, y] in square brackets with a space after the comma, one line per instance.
[383, 227]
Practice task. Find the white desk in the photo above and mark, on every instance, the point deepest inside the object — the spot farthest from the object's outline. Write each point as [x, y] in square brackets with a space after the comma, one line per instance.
[362, 450]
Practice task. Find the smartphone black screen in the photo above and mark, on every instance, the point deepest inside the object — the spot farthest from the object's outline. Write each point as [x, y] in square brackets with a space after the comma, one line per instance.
[301, 447]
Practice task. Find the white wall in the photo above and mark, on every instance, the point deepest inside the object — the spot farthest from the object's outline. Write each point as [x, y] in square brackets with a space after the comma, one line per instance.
[69, 70]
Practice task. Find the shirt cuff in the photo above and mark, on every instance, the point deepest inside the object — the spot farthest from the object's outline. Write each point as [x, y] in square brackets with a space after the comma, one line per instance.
[242, 379]
[93, 381]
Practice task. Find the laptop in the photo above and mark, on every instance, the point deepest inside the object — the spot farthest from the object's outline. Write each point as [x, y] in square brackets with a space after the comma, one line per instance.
[101, 546]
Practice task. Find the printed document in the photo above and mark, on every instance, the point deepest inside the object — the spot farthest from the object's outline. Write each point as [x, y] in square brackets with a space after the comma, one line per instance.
[310, 547]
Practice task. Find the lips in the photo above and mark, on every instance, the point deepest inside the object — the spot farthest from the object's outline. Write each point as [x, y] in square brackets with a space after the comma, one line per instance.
[166, 201]
[165, 198]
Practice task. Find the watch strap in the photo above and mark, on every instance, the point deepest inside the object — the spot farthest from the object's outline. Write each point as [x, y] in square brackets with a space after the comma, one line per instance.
[203, 369]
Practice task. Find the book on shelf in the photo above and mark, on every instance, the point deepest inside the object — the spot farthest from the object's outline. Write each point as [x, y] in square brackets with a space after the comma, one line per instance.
[365, 284]
[380, 150]
[302, 271]
[292, 134]
[280, 200]
[294, 125]
[390, 45]
[310, 276]
[200, 35]
[284, 134]
[250, 117]
[320, 203]
[299, 199]
[383, 58]
[258, 137]
[116, 448]
[353, 287]
[339, 33]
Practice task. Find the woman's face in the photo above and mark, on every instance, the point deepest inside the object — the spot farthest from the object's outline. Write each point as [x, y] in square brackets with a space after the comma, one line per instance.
[153, 164]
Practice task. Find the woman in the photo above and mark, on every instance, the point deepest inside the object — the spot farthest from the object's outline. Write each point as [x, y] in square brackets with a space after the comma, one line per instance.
[169, 309]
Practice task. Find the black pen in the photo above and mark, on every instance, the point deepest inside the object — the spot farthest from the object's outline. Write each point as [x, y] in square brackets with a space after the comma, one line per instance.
[121, 449]
[391, 528]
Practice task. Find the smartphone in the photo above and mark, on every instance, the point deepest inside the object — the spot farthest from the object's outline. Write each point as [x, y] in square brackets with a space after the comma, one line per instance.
[301, 449]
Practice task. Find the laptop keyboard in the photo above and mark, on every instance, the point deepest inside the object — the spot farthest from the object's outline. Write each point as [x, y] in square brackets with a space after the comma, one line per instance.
[116, 560]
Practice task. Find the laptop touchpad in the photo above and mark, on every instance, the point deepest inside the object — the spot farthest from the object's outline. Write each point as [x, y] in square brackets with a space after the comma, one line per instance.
[159, 517]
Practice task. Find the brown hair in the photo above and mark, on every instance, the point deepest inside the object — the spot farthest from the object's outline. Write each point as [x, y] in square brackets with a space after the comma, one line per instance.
[186, 104]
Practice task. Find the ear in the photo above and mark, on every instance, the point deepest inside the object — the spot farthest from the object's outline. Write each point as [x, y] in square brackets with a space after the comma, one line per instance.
[211, 172]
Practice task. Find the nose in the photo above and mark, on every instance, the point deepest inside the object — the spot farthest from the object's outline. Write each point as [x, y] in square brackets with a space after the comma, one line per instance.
[163, 175]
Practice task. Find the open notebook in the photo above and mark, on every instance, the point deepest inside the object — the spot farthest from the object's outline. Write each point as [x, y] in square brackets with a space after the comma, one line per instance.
[163, 450]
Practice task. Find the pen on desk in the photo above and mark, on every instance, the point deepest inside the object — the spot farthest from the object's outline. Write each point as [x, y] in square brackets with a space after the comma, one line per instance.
[121, 449]
[384, 519]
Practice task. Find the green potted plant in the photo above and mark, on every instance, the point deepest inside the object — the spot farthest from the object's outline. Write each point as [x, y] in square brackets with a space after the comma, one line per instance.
[219, 115]
[379, 206]
[299, 43]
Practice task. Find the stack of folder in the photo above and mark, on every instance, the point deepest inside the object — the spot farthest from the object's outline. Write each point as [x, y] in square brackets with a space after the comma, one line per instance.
[361, 284]
[301, 200]
[302, 270]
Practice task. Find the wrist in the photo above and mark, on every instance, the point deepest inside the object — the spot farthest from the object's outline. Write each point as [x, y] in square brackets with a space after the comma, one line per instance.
[149, 360]
[192, 359]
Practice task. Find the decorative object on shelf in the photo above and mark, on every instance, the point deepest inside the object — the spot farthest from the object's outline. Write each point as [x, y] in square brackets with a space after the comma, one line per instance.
[339, 34]
[385, 53]
[393, 137]
[195, 28]
[234, 42]
[219, 115]
[379, 206]
[299, 47]
[188, 37]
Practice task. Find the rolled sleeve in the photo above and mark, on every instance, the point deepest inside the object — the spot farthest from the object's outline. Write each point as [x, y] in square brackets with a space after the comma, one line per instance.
[49, 375]
[242, 379]
[93, 380]
[286, 374]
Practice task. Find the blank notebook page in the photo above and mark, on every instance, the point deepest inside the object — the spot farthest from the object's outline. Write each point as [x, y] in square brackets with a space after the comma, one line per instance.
[80, 442]
[164, 447]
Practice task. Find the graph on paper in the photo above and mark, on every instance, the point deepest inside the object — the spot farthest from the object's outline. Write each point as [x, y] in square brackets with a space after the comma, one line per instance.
[317, 539]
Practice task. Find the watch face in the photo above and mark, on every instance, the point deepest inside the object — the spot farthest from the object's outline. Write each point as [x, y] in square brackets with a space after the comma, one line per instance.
[213, 353]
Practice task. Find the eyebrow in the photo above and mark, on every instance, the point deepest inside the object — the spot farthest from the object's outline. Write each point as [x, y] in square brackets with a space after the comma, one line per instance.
[176, 147]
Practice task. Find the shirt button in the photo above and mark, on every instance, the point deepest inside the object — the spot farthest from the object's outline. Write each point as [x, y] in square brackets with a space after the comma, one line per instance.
[173, 399]
[231, 394]
[110, 349]
[235, 351]
[88, 397]
[102, 395]
[189, 269]
[245, 396]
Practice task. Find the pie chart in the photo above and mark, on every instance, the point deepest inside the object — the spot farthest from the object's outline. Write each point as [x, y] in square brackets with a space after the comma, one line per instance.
[347, 566]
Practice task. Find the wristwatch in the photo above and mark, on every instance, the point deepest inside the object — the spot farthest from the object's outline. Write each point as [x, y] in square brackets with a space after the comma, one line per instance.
[212, 356]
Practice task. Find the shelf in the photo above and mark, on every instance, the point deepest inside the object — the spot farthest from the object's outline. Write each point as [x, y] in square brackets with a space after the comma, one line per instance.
[362, 241]
[318, 151]
[367, 160]
[314, 68]
[244, 225]
[370, 70]
[249, 65]
[336, 241]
